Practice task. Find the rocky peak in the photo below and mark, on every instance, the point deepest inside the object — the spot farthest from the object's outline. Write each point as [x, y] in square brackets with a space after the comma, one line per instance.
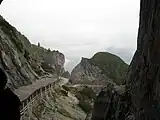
[101, 69]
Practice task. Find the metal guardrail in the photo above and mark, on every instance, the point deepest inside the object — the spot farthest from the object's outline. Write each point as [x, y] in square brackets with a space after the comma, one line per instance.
[29, 101]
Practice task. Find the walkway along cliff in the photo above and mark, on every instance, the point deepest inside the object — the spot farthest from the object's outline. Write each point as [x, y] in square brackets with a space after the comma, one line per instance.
[25, 62]
[30, 94]
[137, 99]
[33, 74]
[141, 99]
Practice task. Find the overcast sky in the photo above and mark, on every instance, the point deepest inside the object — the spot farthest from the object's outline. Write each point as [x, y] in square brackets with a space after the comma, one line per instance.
[77, 28]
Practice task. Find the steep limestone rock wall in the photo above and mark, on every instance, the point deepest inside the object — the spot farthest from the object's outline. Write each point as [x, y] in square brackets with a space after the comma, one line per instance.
[112, 103]
[23, 61]
[49, 60]
[12, 56]
[55, 60]
[143, 79]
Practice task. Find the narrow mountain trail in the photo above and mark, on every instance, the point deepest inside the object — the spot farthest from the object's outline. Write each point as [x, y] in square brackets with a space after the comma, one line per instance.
[25, 91]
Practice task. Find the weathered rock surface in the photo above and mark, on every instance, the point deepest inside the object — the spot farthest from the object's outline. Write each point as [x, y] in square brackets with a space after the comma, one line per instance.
[22, 61]
[63, 103]
[142, 84]
[50, 61]
[112, 103]
[101, 69]
[12, 56]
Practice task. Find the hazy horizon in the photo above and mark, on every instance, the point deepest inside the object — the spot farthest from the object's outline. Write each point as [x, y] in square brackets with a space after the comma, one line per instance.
[77, 28]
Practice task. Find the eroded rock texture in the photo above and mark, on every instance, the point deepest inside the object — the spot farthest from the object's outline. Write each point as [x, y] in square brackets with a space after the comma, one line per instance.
[87, 73]
[142, 94]
[23, 61]
[143, 79]
[112, 103]
[101, 69]
[12, 56]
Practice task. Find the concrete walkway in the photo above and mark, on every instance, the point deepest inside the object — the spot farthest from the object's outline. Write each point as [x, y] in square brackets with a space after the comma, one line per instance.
[25, 91]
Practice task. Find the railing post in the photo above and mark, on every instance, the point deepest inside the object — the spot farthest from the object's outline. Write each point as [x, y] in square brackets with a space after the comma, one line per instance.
[36, 92]
[45, 89]
[50, 92]
[41, 92]
[22, 117]
[29, 102]
[30, 106]
[28, 109]
[46, 92]
[52, 87]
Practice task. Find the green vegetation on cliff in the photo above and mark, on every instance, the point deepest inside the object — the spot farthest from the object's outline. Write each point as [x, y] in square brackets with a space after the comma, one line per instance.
[111, 65]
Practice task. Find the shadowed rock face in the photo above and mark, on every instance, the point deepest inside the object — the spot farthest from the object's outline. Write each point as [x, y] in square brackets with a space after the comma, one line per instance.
[143, 79]
[12, 58]
[143, 84]
[112, 103]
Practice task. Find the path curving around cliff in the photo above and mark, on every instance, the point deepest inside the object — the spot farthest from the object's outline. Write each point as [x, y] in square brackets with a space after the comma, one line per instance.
[25, 91]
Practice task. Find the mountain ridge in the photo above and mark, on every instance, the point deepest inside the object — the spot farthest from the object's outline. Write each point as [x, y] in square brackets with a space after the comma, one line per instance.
[97, 69]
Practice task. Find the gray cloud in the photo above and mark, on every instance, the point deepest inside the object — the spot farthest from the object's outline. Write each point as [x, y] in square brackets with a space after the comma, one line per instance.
[78, 28]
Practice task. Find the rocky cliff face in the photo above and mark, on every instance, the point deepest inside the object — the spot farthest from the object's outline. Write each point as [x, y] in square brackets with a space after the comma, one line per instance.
[142, 85]
[54, 59]
[12, 56]
[86, 73]
[50, 61]
[101, 69]
[143, 78]
[22, 61]
[112, 103]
